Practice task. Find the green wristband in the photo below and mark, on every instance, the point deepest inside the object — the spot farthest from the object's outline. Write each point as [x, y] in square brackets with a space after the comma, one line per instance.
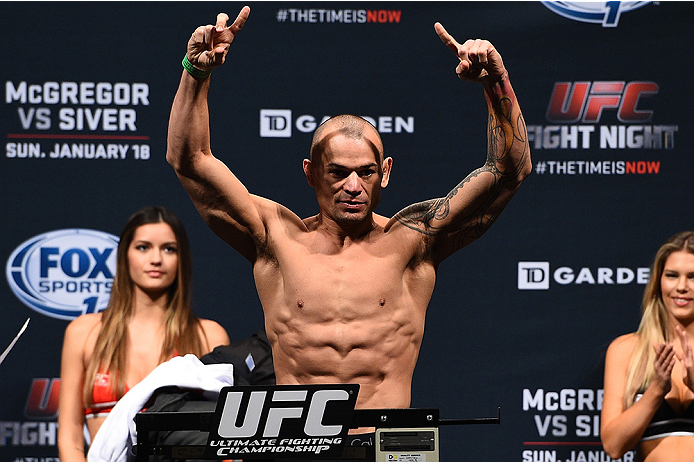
[194, 71]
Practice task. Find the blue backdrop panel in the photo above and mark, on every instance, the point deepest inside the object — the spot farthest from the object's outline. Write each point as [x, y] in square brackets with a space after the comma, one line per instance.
[518, 320]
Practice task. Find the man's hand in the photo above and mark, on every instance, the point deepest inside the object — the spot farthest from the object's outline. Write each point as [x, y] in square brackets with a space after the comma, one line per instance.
[479, 60]
[209, 45]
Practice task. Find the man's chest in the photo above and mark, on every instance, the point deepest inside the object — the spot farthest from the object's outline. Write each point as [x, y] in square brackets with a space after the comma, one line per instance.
[366, 274]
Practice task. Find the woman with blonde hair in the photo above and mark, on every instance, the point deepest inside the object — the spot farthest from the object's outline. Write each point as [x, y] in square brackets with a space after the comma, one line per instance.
[148, 321]
[649, 374]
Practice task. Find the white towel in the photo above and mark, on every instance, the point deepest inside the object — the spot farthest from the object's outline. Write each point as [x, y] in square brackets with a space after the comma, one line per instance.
[117, 436]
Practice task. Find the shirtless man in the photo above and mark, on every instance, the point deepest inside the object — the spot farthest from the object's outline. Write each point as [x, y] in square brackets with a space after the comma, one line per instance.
[345, 292]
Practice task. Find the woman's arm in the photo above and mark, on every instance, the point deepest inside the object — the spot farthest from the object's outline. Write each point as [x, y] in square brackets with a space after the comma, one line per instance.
[70, 402]
[214, 334]
[621, 429]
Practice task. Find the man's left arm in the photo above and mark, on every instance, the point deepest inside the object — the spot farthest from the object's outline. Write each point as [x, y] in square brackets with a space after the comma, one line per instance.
[471, 207]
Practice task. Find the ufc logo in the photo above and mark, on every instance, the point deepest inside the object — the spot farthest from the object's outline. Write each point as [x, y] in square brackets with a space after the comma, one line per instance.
[281, 406]
[42, 402]
[585, 101]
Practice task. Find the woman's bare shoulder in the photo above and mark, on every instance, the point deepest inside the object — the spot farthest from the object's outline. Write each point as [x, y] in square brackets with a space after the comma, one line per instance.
[83, 324]
[624, 344]
[216, 334]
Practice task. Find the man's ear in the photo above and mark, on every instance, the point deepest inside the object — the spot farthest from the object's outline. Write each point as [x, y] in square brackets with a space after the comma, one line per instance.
[308, 171]
[387, 167]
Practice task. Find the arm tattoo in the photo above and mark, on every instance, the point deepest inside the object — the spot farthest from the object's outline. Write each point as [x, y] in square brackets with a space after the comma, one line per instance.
[424, 217]
[507, 155]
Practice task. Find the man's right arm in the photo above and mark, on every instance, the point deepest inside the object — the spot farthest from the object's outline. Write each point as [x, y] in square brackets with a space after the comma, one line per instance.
[222, 200]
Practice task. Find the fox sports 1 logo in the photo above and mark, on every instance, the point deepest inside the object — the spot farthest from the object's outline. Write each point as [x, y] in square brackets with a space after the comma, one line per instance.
[64, 273]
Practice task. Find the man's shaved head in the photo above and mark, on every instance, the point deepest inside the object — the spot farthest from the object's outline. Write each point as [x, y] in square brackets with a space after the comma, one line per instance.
[347, 125]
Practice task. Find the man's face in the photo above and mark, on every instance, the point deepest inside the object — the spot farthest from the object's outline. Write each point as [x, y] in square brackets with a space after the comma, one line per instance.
[348, 176]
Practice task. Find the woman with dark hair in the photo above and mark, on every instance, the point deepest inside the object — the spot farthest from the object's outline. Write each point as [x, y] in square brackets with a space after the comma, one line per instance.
[148, 321]
[649, 374]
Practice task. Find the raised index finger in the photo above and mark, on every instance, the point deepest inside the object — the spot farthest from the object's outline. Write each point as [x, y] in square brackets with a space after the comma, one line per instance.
[446, 38]
[240, 20]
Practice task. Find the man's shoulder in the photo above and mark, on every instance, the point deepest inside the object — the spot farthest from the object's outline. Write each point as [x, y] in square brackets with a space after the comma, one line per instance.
[276, 213]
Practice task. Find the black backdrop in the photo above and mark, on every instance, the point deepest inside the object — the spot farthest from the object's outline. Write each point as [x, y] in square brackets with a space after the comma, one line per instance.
[518, 320]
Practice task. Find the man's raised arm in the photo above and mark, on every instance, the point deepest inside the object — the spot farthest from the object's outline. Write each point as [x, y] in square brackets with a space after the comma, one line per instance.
[469, 209]
[219, 196]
